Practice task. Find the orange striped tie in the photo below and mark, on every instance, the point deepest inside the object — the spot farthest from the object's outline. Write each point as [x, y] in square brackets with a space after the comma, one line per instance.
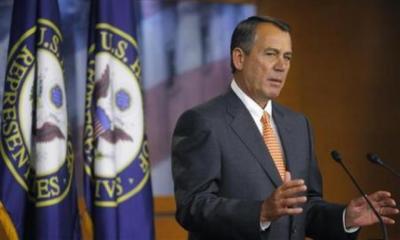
[273, 145]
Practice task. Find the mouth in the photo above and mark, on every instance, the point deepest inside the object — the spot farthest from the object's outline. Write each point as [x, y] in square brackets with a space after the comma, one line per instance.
[275, 80]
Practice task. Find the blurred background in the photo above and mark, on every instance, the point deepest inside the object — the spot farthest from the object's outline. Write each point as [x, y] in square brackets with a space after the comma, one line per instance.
[345, 77]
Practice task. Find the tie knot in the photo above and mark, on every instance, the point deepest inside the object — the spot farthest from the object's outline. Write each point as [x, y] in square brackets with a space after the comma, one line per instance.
[265, 118]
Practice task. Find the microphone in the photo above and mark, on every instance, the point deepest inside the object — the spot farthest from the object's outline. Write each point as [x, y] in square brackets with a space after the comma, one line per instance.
[336, 156]
[374, 158]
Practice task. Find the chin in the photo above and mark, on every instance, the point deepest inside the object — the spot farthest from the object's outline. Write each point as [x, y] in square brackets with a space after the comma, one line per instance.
[273, 95]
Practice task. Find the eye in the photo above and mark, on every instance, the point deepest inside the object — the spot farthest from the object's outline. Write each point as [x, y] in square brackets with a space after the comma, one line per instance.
[288, 57]
[270, 53]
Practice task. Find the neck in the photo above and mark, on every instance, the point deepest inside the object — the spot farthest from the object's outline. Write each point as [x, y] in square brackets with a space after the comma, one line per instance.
[261, 101]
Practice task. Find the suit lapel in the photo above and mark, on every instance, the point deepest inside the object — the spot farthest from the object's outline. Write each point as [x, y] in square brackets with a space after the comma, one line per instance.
[245, 128]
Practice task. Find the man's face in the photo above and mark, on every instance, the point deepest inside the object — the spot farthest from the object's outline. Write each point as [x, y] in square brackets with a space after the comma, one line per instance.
[263, 71]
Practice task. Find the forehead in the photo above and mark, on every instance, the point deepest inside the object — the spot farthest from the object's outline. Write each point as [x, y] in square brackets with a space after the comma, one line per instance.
[269, 35]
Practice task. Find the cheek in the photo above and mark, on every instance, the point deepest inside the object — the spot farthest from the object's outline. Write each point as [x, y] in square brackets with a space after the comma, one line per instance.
[264, 66]
[259, 69]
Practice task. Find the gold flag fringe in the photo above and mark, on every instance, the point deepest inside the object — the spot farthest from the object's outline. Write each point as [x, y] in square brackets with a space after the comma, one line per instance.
[86, 221]
[7, 225]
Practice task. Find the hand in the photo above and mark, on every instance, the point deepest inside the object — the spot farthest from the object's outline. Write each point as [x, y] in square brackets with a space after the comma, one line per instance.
[284, 200]
[359, 214]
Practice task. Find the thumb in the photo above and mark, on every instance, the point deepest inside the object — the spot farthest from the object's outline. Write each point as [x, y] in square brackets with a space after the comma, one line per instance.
[288, 177]
[359, 201]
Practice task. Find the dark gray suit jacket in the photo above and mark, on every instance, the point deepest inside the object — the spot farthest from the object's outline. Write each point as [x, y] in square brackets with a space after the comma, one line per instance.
[222, 172]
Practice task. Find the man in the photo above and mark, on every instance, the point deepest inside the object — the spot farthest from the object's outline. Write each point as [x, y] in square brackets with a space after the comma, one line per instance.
[244, 166]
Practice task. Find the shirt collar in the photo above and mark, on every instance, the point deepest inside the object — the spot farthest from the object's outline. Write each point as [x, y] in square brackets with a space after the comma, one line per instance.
[255, 110]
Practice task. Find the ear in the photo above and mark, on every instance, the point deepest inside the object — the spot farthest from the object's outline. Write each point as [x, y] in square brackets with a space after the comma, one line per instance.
[238, 56]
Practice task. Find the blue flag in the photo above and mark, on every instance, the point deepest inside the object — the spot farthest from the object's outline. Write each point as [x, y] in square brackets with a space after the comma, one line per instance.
[117, 172]
[37, 185]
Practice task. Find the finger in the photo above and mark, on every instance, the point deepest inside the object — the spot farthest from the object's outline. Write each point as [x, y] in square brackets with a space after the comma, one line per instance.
[386, 211]
[387, 220]
[291, 183]
[379, 195]
[387, 203]
[292, 202]
[293, 191]
[291, 211]
[288, 176]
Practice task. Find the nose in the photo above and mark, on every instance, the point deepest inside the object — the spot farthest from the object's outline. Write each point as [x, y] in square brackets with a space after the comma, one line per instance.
[281, 64]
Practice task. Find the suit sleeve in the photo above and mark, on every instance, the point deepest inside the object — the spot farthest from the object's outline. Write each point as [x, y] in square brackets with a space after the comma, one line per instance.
[323, 220]
[196, 167]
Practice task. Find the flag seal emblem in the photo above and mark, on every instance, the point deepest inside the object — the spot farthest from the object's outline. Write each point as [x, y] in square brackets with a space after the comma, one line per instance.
[114, 127]
[34, 133]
